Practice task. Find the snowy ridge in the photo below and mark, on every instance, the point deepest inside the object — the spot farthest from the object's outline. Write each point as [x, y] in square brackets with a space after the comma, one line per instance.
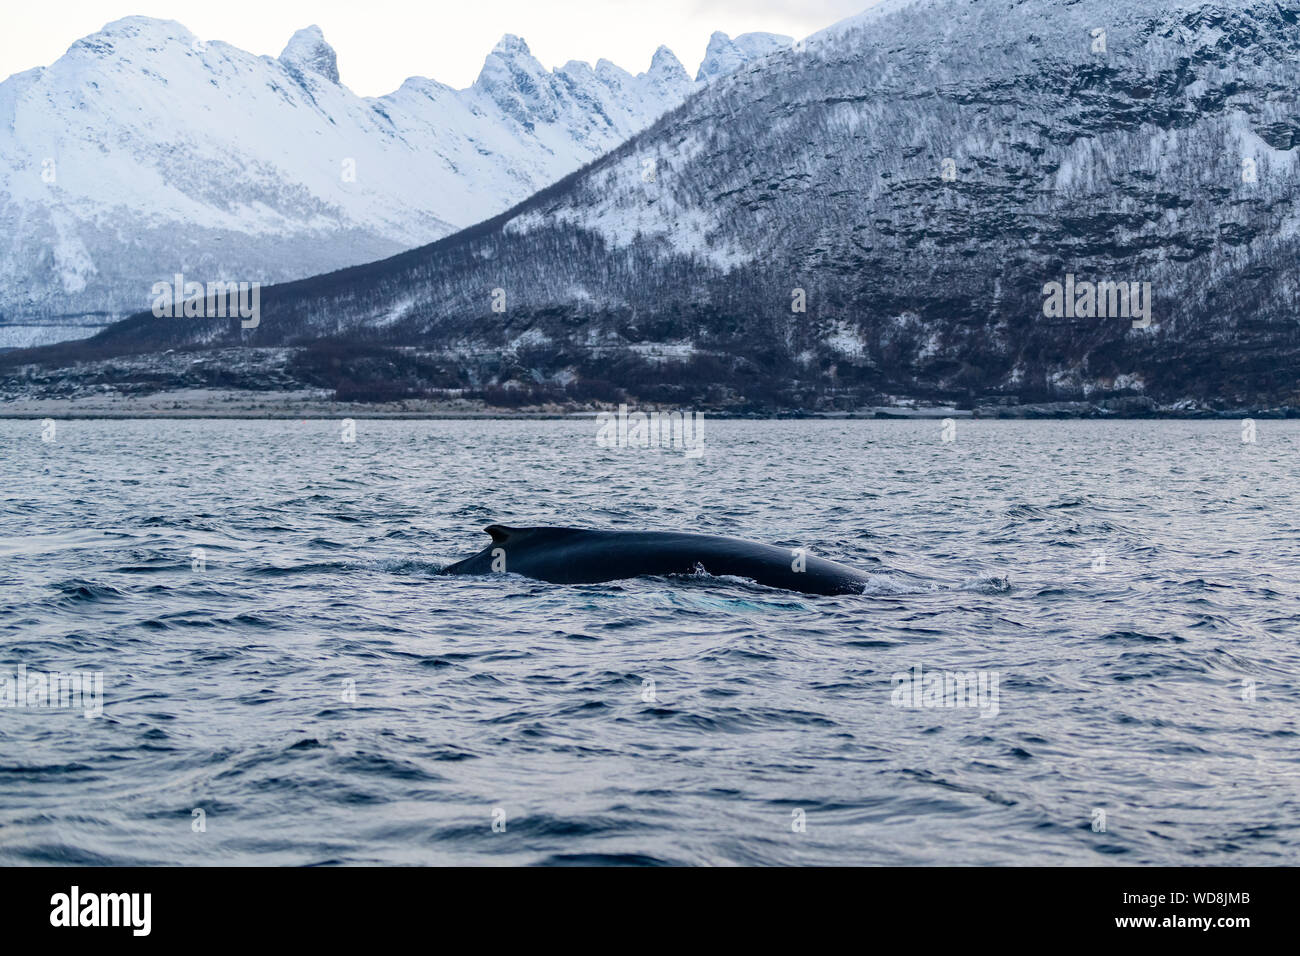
[144, 151]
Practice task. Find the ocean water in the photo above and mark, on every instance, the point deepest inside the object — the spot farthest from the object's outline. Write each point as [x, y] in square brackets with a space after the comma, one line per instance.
[287, 679]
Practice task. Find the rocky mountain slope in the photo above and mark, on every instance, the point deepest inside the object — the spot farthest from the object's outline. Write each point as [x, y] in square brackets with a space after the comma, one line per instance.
[144, 152]
[916, 178]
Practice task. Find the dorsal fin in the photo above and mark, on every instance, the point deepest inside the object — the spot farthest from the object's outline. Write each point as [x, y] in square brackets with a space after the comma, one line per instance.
[500, 533]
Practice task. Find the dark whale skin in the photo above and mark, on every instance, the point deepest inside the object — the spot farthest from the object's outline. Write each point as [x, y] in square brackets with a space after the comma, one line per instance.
[576, 556]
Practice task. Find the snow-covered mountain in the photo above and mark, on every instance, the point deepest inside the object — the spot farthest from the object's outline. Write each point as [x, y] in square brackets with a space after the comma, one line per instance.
[880, 211]
[145, 151]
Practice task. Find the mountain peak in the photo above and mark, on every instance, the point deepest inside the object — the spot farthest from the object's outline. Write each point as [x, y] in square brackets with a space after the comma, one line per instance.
[148, 30]
[666, 73]
[307, 51]
[140, 25]
[726, 55]
[511, 45]
[608, 68]
[665, 63]
[509, 64]
[517, 83]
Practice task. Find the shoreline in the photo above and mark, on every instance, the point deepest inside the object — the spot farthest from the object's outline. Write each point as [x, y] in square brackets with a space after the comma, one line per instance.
[314, 404]
[316, 414]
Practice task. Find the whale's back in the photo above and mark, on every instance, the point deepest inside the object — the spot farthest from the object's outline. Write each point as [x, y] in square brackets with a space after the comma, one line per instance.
[578, 556]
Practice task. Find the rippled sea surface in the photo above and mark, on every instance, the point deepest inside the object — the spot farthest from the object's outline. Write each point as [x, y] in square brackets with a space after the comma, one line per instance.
[322, 695]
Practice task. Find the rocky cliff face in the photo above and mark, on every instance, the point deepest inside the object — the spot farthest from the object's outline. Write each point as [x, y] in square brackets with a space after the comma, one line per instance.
[307, 52]
[915, 180]
[144, 152]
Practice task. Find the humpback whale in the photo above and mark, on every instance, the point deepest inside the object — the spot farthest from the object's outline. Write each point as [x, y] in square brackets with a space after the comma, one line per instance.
[578, 556]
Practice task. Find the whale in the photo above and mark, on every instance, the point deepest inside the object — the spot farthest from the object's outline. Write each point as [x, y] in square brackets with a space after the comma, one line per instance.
[590, 556]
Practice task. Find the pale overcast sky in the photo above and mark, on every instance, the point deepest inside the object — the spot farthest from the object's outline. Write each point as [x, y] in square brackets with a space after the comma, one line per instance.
[381, 42]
